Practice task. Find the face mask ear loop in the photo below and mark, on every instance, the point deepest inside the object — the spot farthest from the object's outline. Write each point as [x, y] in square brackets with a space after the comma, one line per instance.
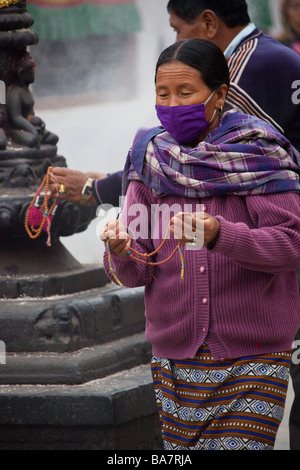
[208, 99]
[214, 113]
[213, 116]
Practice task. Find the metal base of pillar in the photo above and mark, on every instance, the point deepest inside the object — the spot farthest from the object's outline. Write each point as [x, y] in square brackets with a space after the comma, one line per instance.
[77, 364]
[114, 413]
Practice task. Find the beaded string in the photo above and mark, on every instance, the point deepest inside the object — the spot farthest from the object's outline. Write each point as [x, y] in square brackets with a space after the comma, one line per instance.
[144, 258]
[111, 269]
[37, 217]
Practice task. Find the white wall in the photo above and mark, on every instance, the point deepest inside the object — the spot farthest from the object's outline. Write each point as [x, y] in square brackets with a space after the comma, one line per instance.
[97, 138]
[275, 10]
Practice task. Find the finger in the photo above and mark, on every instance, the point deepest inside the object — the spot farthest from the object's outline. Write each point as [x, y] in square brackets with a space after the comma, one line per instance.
[183, 217]
[211, 229]
[58, 180]
[126, 248]
[108, 232]
[52, 179]
[120, 247]
[117, 244]
[103, 235]
[53, 188]
[114, 229]
[184, 227]
[188, 228]
[56, 185]
[59, 172]
[180, 236]
[117, 227]
[113, 235]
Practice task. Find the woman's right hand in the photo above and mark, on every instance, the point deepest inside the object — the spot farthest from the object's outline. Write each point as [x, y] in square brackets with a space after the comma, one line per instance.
[116, 234]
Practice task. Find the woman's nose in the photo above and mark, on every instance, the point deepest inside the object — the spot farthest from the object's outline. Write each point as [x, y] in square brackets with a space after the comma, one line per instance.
[173, 101]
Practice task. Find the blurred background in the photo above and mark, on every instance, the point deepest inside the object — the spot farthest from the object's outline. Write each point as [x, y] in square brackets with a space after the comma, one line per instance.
[94, 82]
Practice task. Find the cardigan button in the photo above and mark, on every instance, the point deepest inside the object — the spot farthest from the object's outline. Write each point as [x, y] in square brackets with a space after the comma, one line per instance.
[202, 269]
[205, 300]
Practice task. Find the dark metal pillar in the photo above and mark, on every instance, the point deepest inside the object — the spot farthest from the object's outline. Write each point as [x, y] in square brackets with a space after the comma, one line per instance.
[76, 374]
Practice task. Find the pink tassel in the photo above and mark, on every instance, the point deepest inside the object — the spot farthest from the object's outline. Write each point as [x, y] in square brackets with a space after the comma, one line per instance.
[35, 216]
[48, 223]
[49, 219]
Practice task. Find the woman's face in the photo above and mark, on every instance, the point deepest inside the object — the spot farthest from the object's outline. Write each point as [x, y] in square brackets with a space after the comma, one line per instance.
[178, 84]
[293, 15]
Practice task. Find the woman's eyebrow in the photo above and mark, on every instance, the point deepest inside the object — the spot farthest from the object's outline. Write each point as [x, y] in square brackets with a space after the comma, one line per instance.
[161, 87]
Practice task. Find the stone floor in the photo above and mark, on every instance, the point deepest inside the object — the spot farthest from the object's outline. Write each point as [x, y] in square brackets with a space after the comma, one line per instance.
[282, 441]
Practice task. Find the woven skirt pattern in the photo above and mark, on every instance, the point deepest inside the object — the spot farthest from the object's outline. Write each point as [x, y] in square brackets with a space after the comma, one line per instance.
[231, 405]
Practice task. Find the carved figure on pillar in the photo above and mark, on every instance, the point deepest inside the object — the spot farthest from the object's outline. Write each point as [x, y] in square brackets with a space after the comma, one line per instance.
[23, 126]
[27, 147]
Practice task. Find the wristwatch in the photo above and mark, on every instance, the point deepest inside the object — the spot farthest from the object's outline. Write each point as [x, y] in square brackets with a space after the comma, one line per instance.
[86, 192]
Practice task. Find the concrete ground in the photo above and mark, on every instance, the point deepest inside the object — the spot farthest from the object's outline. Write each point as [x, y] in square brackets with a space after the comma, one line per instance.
[282, 441]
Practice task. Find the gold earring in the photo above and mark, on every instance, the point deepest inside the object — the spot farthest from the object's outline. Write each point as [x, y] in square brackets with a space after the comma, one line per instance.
[220, 111]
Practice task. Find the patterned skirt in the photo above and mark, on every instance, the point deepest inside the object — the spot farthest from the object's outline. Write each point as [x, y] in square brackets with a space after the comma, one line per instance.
[231, 405]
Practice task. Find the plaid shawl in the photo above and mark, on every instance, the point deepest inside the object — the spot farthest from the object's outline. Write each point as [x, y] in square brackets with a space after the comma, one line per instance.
[242, 156]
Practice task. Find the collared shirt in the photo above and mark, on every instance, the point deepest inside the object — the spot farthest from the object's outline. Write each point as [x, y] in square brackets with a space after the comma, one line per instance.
[238, 39]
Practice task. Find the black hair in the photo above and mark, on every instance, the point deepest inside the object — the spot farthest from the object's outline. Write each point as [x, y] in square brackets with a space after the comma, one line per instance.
[201, 55]
[231, 12]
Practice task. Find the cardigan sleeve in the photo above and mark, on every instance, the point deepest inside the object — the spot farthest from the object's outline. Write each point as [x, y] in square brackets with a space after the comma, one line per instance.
[136, 216]
[274, 244]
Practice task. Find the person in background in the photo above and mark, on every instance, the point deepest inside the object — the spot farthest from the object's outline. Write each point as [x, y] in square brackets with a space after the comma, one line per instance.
[253, 60]
[221, 339]
[290, 17]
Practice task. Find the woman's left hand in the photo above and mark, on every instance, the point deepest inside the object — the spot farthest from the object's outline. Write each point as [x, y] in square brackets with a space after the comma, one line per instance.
[188, 227]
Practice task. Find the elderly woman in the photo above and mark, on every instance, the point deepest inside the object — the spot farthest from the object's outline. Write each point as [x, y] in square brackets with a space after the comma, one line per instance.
[290, 16]
[221, 338]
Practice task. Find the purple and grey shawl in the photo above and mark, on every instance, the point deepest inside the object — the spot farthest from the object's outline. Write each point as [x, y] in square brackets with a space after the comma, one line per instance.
[242, 156]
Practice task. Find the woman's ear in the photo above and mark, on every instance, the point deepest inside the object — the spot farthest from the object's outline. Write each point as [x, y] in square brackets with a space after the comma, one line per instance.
[221, 96]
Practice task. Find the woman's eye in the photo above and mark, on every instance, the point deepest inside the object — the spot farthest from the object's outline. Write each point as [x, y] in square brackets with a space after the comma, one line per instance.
[186, 94]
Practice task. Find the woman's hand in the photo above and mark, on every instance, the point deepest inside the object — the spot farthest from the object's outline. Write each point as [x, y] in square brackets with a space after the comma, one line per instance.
[199, 228]
[73, 182]
[119, 240]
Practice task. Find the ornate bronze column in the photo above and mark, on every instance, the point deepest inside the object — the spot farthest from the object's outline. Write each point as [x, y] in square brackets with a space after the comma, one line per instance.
[64, 327]
[27, 149]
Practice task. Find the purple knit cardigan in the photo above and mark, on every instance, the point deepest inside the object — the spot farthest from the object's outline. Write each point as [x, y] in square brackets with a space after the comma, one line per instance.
[240, 296]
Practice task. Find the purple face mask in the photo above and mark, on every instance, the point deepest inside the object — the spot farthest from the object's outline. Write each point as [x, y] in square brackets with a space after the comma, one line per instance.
[184, 123]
